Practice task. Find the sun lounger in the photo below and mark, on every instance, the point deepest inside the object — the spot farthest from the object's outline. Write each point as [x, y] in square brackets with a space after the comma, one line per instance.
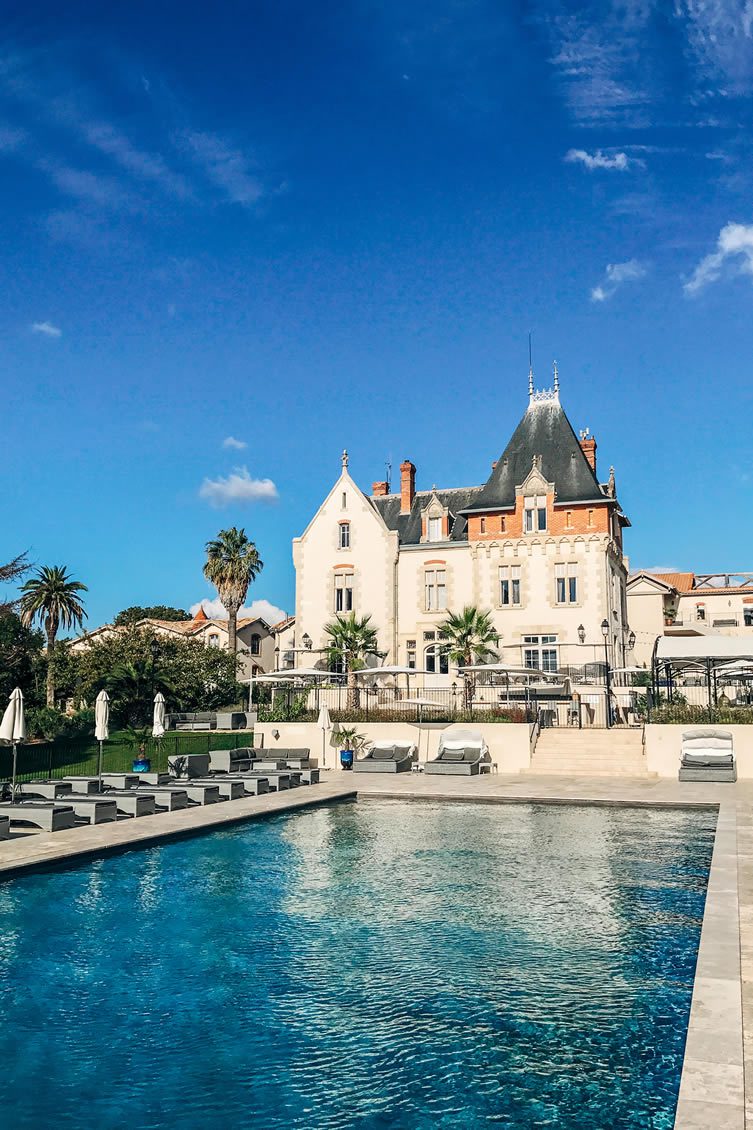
[132, 802]
[277, 779]
[252, 786]
[146, 779]
[121, 780]
[226, 761]
[707, 755]
[4, 828]
[461, 753]
[82, 785]
[92, 809]
[230, 788]
[197, 794]
[46, 815]
[387, 757]
[167, 798]
[48, 790]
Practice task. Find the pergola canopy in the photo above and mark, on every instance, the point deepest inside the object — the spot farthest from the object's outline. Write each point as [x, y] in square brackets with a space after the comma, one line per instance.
[680, 651]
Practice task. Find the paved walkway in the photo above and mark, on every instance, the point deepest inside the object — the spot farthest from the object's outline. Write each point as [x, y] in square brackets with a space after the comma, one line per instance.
[717, 1082]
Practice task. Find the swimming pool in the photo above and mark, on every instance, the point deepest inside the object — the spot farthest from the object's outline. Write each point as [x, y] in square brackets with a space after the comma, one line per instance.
[381, 964]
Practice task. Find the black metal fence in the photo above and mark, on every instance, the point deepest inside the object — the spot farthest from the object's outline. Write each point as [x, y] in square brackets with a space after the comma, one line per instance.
[78, 757]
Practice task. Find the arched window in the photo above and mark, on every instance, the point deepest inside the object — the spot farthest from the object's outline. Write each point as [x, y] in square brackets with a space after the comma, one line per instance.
[436, 661]
[255, 644]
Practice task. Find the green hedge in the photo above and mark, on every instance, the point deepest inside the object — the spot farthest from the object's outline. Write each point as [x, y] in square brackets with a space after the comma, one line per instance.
[683, 715]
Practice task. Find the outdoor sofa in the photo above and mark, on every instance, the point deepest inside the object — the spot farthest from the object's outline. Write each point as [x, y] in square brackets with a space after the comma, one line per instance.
[461, 753]
[707, 755]
[208, 720]
[387, 757]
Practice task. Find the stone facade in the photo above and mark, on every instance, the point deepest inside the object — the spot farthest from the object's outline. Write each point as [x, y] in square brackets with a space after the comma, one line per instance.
[539, 545]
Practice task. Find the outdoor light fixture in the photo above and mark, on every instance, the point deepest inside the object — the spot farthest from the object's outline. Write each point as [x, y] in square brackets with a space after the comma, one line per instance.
[581, 633]
[605, 628]
[631, 640]
[308, 643]
[154, 648]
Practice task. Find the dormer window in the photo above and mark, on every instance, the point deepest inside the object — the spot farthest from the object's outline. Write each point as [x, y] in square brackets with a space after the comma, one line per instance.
[434, 529]
[534, 514]
[344, 541]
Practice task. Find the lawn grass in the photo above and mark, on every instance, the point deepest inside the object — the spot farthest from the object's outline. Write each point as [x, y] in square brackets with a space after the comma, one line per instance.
[79, 756]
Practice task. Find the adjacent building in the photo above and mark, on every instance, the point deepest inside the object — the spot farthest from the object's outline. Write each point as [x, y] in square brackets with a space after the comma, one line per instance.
[539, 544]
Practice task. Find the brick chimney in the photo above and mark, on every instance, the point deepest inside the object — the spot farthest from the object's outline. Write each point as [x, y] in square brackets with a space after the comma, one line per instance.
[407, 486]
[588, 447]
[378, 490]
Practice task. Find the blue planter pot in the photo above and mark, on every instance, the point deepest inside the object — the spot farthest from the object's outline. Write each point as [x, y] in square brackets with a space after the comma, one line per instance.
[142, 766]
[346, 758]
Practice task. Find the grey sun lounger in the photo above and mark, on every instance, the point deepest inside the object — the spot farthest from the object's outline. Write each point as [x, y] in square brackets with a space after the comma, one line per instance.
[48, 816]
[132, 802]
[83, 785]
[93, 809]
[48, 790]
[277, 779]
[4, 828]
[121, 780]
[708, 755]
[231, 788]
[197, 794]
[167, 798]
[461, 753]
[387, 757]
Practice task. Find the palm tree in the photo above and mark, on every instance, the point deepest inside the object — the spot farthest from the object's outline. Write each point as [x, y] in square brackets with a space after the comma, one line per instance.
[232, 564]
[133, 685]
[471, 638]
[351, 642]
[51, 597]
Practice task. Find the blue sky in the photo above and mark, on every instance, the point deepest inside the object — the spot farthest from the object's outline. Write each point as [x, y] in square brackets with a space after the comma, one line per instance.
[304, 227]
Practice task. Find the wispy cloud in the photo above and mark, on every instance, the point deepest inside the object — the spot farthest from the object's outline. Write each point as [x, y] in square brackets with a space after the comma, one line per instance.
[615, 275]
[734, 245]
[234, 444]
[618, 161]
[10, 139]
[46, 329]
[238, 487]
[224, 166]
[263, 609]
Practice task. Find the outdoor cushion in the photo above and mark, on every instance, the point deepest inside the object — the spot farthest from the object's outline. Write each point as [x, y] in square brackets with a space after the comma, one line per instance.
[403, 750]
[707, 732]
[470, 754]
[707, 757]
[697, 742]
[452, 754]
[383, 753]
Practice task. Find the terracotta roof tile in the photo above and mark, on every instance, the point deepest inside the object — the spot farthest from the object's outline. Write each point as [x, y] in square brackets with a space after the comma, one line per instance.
[683, 582]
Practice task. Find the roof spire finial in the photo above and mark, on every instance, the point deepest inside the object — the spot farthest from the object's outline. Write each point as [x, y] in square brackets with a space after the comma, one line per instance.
[530, 366]
[556, 380]
[345, 458]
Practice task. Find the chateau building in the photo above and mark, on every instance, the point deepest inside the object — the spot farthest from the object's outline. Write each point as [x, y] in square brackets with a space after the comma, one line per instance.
[539, 544]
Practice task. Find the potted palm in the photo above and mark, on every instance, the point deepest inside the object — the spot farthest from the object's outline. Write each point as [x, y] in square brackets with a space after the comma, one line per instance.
[349, 741]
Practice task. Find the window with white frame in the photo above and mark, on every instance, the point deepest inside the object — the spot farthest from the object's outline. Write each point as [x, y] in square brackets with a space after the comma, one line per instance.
[410, 651]
[343, 592]
[434, 529]
[566, 583]
[509, 586]
[748, 617]
[700, 611]
[255, 644]
[435, 590]
[540, 653]
[436, 659]
[534, 513]
[344, 538]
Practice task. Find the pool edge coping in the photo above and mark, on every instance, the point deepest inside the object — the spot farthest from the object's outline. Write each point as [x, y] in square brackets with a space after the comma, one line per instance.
[712, 1083]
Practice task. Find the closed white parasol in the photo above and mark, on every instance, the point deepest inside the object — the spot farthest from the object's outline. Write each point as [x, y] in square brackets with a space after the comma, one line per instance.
[324, 722]
[101, 727]
[13, 731]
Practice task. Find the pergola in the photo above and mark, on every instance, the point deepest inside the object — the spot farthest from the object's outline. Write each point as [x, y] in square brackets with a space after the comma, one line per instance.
[715, 657]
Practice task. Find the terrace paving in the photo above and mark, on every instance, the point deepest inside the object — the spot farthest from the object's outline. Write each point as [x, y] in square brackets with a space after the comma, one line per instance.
[717, 1082]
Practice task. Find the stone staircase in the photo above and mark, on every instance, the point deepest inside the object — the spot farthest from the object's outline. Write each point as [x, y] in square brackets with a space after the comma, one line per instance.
[590, 753]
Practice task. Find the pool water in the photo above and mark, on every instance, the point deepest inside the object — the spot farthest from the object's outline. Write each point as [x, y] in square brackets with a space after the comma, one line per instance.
[384, 964]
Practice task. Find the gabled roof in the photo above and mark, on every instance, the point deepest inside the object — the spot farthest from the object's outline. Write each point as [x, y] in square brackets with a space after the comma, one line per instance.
[408, 526]
[683, 582]
[656, 581]
[281, 625]
[544, 431]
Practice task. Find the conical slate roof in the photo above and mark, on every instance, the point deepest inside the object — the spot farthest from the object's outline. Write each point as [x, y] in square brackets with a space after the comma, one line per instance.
[544, 431]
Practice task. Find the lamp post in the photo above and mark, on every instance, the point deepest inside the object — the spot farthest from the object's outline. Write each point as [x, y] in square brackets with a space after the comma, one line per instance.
[631, 640]
[308, 643]
[605, 633]
[454, 690]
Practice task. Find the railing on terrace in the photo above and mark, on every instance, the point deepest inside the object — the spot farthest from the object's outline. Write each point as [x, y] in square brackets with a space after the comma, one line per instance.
[78, 757]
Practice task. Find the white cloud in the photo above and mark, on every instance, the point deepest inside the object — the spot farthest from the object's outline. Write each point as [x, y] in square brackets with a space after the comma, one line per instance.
[47, 329]
[735, 242]
[235, 444]
[600, 160]
[660, 569]
[264, 608]
[225, 167]
[237, 487]
[615, 275]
